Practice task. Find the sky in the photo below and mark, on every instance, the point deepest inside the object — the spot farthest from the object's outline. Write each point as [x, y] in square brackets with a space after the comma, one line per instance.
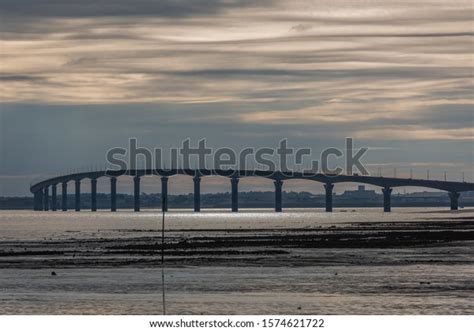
[80, 77]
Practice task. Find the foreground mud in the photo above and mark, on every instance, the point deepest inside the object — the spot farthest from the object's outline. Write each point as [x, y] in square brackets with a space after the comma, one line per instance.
[376, 243]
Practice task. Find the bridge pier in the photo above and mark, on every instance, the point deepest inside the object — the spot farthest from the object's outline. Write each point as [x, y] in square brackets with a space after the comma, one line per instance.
[454, 197]
[46, 198]
[77, 203]
[164, 193]
[329, 188]
[387, 203]
[93, 194]
[53, 197]
[235, 193]
[38, 200]
[113, 193]
[136, 193]
[197, 193]
[278, 193]
[64, 196]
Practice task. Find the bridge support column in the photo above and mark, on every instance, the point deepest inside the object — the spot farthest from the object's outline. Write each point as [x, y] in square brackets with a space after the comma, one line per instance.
[53, 197]
[278, 184]
[46, 198]
[329, 190]
[136, 193]
[113, 193]
[35, 200]
[64, 196]
[164, 193]
[93, 194]
[387, 203]
[38, 203]
[197, 193]
[77, 202]
[235, 193]
[454, 197]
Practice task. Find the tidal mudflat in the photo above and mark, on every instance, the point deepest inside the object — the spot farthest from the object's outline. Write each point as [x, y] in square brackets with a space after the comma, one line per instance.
[353, 261]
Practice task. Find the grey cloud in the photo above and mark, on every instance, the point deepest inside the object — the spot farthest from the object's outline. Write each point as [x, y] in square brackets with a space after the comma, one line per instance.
[301, 27]
[43, 143]
[21, 78]
[307, 22]
[449, 116]
[23, 18]
[384, 73]
[306, 27]
[101, 8]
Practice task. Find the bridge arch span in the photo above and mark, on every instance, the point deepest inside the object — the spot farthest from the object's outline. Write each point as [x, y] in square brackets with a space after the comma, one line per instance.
[41, 189]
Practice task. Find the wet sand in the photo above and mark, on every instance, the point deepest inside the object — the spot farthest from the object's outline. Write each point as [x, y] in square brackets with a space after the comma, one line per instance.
[362, 243]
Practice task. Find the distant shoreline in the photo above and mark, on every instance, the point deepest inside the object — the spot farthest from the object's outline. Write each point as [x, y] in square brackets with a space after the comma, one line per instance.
[337, 208]
[367, 199]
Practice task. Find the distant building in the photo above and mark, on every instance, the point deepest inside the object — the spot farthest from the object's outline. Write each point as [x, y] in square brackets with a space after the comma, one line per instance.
[360, 193]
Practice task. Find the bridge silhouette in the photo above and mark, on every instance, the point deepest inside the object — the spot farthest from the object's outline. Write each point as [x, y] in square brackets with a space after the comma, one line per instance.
[42, 199]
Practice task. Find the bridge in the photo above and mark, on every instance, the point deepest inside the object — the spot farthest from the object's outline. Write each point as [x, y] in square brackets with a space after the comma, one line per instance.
[41, 190]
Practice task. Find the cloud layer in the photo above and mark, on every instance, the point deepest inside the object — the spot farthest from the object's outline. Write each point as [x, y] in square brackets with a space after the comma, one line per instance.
[392, 70]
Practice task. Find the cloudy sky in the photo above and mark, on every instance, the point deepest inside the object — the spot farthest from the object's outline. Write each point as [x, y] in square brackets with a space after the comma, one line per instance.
[80, 77]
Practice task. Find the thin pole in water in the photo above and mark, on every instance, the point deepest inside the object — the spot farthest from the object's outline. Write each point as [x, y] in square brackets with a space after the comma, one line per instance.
[163, 253]
[163, 283]
[163, 238]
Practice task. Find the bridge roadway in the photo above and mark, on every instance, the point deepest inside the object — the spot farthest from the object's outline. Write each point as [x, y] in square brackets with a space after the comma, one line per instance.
[42, 199]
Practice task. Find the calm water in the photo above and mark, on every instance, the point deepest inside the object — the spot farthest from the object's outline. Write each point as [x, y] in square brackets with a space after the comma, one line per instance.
[408, 280]
[53, 225]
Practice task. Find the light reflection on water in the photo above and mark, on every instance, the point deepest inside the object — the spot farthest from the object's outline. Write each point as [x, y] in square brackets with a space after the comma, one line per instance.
[38, 225]
[422, 288]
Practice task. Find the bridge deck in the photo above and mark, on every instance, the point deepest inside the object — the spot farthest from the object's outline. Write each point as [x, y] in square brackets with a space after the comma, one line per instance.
[449, 186]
